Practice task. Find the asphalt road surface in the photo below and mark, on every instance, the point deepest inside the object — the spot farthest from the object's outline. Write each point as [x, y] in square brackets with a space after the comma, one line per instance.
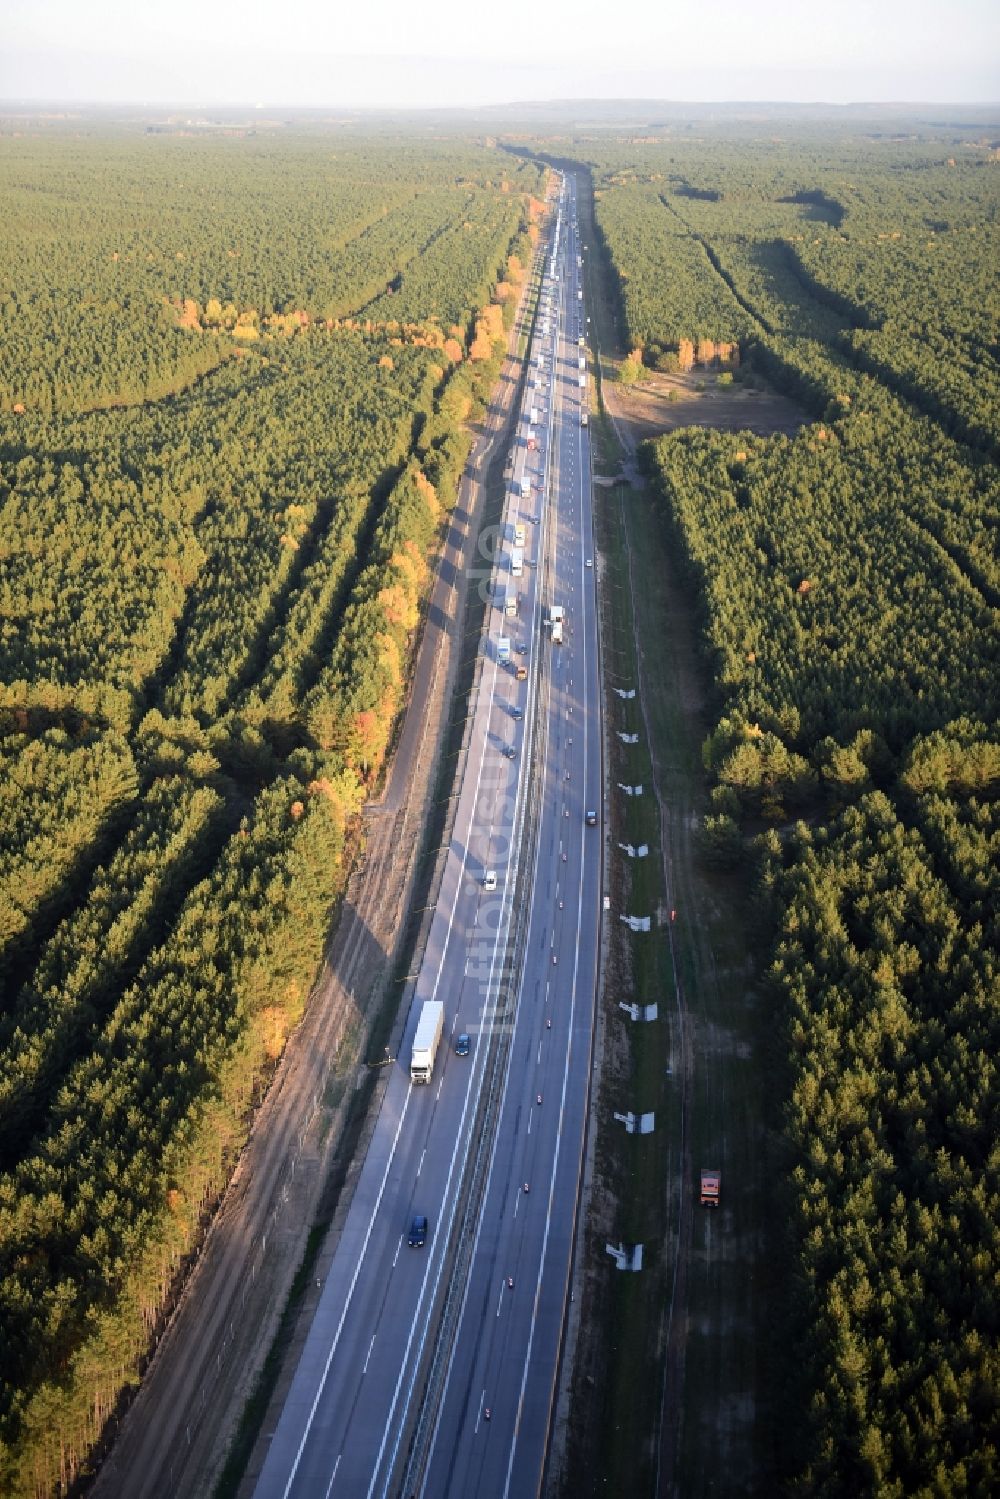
[432, 1370]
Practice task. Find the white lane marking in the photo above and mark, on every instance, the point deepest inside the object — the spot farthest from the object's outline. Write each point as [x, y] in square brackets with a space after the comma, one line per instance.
[502, 931]
[562, 1103]
[459, 883]
[489, 1180]
[421, 1166]
[371, 1345]
[398, 1248]
[479, 1226]
[333, 1476]
[479, 1412]
[321, 1385]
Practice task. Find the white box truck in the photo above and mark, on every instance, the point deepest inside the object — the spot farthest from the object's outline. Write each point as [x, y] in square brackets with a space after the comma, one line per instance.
[510, 601]
[582, 362]
[533, 416]
[426, 1041]
[516, 562]
[525, 487]
[557, 632]
[503, 649]
[520, 534]
[583, 382]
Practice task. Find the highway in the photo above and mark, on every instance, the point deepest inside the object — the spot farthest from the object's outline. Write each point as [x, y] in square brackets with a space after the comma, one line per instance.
[432, 1370]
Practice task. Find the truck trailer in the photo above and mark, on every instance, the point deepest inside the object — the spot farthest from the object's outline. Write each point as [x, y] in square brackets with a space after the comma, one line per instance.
[426, 1041]
[516, 562]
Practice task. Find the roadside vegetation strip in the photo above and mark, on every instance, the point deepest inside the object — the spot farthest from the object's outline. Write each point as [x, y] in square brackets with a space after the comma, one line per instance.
[717, 1412]
[712, 1413]
[639, 1167]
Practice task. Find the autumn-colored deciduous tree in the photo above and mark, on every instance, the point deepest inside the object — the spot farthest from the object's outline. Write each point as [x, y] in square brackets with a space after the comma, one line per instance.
[489, 331]
[631, 370]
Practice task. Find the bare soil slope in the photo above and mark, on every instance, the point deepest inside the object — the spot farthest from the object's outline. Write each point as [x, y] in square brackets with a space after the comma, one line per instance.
[662, 403]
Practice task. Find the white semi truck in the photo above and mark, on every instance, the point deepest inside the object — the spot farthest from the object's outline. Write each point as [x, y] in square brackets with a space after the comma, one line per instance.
[426, 1041]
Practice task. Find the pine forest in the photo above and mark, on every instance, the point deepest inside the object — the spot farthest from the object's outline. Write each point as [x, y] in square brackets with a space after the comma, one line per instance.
[236, 373]
[239, 372]
[846, 586]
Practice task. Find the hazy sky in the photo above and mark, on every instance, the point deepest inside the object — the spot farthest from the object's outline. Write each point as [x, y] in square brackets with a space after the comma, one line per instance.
[416, 52]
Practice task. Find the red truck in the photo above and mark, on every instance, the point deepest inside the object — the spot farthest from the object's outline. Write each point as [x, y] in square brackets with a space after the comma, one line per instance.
[710, 1182]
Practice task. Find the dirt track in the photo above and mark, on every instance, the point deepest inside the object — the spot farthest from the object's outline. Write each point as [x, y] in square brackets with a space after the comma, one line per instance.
[631, 430]
[175, 1436]
[714, 1291]
[662, 403]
